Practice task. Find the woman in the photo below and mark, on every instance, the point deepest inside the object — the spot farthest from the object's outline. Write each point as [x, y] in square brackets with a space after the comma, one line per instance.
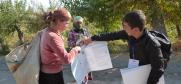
[53, 53]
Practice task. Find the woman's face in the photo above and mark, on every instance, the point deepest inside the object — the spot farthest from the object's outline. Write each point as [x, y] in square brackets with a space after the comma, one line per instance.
[63, 24]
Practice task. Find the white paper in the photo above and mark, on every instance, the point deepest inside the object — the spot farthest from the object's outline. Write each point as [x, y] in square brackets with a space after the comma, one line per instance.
[98, 56]
[138, 75]
[79, 67]
[93, 57]
[133, 63]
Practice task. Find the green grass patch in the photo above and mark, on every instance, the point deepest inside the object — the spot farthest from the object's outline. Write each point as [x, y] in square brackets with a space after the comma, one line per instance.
[118, 46]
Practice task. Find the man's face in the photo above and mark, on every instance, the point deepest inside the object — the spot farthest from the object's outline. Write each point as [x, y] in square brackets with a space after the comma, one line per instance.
[127, 28]
[131, 31]
[78, 24]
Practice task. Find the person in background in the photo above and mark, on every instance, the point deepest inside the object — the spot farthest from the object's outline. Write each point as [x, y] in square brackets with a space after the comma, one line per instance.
[52, 50]
[77, 33]
[142, 47]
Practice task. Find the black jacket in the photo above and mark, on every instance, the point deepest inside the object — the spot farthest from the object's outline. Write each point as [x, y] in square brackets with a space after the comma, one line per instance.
[145, 49]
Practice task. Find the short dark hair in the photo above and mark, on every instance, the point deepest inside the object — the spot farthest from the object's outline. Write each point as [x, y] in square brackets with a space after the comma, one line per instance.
[135, 19]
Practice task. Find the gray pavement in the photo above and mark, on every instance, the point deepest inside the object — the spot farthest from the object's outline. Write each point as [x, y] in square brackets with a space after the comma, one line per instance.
[110, 76]
[5, 75]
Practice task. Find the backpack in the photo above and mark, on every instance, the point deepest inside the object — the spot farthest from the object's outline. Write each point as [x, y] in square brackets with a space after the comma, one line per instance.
[164, 42]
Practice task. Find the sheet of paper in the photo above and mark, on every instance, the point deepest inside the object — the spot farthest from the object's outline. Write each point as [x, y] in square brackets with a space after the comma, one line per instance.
[79, 67]
[133, 63]
[138, 75]
[98, 56]
[93, 57]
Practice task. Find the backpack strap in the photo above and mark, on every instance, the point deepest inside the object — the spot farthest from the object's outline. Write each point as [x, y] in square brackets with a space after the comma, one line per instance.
[153, 38]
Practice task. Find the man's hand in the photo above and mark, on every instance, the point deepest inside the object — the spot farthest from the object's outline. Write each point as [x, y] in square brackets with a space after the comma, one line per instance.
[87, 41]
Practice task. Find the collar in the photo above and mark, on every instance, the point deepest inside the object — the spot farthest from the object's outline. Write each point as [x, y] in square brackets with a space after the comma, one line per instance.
[145, 31]
[53, 30]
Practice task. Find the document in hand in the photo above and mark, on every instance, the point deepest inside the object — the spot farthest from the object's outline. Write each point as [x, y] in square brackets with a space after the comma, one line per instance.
[98, 56]
[79, 67]
[138, 75]
[93, 57]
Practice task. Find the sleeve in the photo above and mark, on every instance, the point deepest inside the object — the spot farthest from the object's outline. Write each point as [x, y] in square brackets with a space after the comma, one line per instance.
[110, 36]
[71, 40]
[86, 32]
[57, 46]
[157, 64]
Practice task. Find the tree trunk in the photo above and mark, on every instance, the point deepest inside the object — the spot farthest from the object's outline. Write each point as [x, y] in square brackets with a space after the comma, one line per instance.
[20, 34]
[157, 19]
[178, 31]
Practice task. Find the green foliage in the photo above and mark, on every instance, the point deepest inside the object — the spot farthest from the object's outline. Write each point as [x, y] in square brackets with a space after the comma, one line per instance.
[96, 11]
[172, 33]
[162, 15]
[4, 46]
[100, 16]
[118, 46]
[12, 15]
[15, 17]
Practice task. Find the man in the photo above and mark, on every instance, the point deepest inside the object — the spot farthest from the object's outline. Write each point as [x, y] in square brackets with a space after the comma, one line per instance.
[74, 37]
[77, 32]
[143, 49]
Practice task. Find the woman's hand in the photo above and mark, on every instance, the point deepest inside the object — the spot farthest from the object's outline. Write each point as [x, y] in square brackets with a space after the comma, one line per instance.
[77, 48]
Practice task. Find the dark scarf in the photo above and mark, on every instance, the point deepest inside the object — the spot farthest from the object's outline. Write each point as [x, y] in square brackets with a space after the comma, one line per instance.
[79, 30]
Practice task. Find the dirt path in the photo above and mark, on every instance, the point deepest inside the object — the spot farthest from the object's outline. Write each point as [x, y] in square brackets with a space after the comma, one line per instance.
[113, 76]
[110, 76]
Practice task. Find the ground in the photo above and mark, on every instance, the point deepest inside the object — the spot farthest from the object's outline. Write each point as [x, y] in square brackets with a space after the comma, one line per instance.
[110, 76]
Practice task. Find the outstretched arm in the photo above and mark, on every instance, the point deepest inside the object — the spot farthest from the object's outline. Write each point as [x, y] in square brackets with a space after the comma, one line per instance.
[107, 37]
[110, 36]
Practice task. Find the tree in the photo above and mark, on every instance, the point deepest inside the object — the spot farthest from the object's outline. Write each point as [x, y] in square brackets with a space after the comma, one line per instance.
[157, 20]
[172, 14]
[12, 16]
[15, 17]
[96, 11]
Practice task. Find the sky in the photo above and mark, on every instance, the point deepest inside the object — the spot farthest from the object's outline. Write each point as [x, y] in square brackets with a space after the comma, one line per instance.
[45, 3]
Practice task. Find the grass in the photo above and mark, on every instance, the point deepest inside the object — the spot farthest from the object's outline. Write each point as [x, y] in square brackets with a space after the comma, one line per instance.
[177, 46]
[117, 47]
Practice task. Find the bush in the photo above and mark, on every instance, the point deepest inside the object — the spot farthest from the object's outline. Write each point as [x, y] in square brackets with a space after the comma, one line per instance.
[5, 49]
[118, 46]
[177, 46]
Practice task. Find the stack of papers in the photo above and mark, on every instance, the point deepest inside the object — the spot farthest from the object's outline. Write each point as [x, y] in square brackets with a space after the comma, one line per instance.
[138, 75]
